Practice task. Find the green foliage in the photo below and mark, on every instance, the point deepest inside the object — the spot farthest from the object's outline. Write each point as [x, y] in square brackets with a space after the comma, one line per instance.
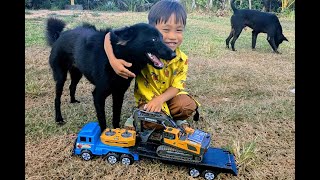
[107, 6]
[288, 13]
[115, 5]
[46, 4]
[144, 5]
[133, 5]
[41, 4]
[255, 4]
[202, 3]
[58, 4]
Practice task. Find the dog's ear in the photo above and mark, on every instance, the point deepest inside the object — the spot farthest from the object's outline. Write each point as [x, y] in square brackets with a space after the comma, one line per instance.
[123, 35]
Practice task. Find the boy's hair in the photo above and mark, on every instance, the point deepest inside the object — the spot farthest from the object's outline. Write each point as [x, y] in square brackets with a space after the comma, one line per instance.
[163, 9]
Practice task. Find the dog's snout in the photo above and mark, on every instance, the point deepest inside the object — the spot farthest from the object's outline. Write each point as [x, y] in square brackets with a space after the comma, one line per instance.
[173, 55]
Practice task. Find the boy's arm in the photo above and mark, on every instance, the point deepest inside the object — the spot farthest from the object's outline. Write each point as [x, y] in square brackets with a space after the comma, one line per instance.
[155, 104]
[118, 65]
[178, 84]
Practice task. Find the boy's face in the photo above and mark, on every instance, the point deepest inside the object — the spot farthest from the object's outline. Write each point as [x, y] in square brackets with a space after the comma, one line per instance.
[172, 32]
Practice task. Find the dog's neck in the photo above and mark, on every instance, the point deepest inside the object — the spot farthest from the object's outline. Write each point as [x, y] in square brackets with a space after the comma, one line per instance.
[122, 52]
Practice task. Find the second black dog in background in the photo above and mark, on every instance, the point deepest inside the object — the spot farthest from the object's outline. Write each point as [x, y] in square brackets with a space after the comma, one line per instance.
[259, 22]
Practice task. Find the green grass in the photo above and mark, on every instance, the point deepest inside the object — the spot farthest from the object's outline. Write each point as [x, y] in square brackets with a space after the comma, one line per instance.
[245, 101]
[204, 35]
[34, 34]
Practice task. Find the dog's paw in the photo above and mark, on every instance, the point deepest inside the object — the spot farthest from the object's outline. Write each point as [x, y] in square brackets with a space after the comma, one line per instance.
[60, 123]
[277, 52]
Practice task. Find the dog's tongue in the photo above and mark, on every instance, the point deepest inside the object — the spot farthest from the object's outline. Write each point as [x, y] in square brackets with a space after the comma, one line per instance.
[156, 61]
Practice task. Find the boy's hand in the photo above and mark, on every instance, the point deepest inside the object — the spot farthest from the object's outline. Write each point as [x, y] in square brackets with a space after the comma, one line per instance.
[119, 67]
[154, 105]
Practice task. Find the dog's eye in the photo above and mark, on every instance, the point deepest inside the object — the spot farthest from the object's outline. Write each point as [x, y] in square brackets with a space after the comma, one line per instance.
[154, 39]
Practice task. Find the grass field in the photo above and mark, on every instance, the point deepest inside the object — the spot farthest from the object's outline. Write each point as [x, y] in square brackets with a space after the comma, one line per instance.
[245, 95]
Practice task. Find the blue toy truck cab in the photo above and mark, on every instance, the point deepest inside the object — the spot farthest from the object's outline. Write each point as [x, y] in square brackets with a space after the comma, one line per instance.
[88, 144]
[87, 138]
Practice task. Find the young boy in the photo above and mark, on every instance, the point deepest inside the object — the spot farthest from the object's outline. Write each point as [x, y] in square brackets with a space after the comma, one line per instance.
[162, 90]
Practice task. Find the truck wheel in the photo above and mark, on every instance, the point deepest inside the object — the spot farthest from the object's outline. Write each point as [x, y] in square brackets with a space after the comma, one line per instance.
[126, 159]
[86, 155]
[112, 158]
[208, 175]
[193, 172]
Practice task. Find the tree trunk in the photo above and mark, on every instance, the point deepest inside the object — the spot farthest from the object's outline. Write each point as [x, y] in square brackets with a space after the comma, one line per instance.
[249, 4]
[224, 4]
[210, 4]
[193, 6]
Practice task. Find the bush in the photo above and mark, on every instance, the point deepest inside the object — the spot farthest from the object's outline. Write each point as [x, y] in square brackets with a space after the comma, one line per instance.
[107, 6]
[254, 5]
[46, 4]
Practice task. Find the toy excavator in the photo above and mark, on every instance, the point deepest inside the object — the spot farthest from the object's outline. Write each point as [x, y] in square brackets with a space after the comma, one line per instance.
[171, 141]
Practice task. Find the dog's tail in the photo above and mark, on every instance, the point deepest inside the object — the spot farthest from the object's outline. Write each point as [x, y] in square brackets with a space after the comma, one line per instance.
[233, 6]
[53, 29]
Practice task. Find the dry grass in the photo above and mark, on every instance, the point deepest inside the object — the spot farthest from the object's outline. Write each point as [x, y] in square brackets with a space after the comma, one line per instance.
[245, 97]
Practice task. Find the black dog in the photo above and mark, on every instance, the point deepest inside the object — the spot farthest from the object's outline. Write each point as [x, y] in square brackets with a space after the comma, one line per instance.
[80, 51]
[259, 22]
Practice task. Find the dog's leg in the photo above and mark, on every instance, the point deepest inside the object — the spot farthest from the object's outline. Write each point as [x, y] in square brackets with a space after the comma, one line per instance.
[60, 77]
[254, 39]
[237, 33]
[272, 44]
[75, 75]
[100, 93]
[229, 37]
[117, 100]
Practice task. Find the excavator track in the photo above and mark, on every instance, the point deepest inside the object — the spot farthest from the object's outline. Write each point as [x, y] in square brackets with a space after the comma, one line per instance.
[174, 153]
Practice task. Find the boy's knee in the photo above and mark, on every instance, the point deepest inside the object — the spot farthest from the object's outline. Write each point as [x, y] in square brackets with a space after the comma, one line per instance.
[181, 107]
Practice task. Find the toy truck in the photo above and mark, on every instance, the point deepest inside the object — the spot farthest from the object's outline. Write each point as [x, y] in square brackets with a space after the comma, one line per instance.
[88, 144]
[169, 143]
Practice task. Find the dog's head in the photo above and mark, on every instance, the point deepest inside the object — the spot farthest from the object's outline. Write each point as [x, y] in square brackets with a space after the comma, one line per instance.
[279, 38]
[141, 44]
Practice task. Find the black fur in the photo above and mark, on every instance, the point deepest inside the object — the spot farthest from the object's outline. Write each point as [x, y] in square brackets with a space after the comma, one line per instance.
[259, 22]
[80, 51]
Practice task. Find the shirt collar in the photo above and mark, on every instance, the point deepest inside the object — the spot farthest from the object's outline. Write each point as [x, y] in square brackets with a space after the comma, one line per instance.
[179, 55]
